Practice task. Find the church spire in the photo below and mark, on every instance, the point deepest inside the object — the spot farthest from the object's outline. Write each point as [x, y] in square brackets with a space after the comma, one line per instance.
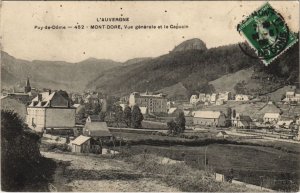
[27, 82]
[27, 87]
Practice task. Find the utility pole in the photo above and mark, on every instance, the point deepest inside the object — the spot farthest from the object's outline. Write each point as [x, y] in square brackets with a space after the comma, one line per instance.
[261, 182]
[205, 156]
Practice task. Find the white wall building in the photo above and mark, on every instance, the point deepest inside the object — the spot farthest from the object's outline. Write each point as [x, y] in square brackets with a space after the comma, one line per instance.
[213, 98]
[225, 96]
[50, 110]
[271, 117]
[291, 96]
[242, 97]
[202, 97]
[194, 99]
[154, 103]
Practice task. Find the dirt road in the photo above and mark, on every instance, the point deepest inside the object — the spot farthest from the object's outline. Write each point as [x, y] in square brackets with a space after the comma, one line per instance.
[99, 174]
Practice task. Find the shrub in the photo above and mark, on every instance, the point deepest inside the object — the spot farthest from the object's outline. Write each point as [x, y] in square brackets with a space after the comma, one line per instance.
[19, 152]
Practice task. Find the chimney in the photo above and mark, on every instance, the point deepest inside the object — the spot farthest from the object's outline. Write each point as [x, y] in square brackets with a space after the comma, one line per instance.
[40, 97]
[49, 91]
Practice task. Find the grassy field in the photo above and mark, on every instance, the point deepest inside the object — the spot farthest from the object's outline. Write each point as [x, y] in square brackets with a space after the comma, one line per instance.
[248, 162]
[175, 140]
[137, 136]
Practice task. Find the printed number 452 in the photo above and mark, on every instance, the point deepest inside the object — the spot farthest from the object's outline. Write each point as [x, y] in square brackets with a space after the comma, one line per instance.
[79, 27]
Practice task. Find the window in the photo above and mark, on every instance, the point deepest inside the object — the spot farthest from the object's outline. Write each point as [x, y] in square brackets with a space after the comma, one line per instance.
[32, 122]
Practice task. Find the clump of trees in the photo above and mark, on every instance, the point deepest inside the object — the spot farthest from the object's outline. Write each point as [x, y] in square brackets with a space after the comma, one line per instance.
[131, 117]
[240, 88]
[177, 126]
[21, 162]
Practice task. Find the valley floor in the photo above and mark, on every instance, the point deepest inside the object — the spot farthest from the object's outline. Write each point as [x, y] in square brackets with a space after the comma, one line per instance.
[84, 174]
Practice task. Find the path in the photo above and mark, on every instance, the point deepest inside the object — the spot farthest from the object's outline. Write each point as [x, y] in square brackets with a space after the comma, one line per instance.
[99, 174]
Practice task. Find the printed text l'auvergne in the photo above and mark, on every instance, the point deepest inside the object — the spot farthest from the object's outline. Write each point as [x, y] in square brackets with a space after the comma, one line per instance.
[112, 19]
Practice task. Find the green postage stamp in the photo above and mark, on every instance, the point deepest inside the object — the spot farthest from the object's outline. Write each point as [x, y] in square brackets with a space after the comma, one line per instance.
[267, 32]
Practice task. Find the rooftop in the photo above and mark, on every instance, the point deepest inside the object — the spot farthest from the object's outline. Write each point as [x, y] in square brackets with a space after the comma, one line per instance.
[80, 140]
[97, 129]
[207, 114]
[271, 115]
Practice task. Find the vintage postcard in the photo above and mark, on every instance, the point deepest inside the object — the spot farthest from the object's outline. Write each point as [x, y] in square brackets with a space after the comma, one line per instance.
[150, 96]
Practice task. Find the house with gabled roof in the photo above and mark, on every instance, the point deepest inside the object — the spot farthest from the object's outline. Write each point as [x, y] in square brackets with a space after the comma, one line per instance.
[242, 121]
[97, 130]
[209, 118]
[222, 134]
[271, 117]
[81, 144]
[50, 110]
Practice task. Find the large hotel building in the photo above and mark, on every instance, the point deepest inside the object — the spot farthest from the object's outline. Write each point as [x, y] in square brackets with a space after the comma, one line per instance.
[155, 103]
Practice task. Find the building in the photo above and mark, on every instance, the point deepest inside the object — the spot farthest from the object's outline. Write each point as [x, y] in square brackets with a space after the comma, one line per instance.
[172, 110]
[123, 106]
[242, 121]
[207, 97]
[289, 95]
[292, 96]
[202, 97]
[222, 134]
[50, 110]
[271, 117]
[97, 130]
[194, 99]
[22, 97]
[298, 121]
[242, 97]
[170, 104]
[226, 96]
[298, 136]
[209, 118]
[144, 110]
[155, 103]
[27, 88]
[284, 124]
[220, 102]
[81, 144]
[214, 97]
[93, 118]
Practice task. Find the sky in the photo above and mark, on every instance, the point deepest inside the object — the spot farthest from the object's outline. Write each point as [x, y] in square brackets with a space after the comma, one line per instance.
[213, 22]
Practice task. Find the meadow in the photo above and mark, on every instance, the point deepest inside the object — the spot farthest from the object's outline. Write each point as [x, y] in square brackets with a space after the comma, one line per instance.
[274, 164]
[275, 169]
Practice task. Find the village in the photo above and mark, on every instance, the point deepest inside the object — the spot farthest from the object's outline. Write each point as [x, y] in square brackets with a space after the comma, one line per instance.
[86, 120]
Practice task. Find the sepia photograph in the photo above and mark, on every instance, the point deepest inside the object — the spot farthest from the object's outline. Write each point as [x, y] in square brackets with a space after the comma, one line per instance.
[150, 96]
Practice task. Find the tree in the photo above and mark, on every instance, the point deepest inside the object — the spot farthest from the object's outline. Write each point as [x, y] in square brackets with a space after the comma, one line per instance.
[177, 126]
[102, 116]
[233, 113]
[172, 127]
[11, 124]
[180, 121]
[127, 116]
[97, 108]
[240, 88]
[229, 112]
[88, 108]
[118, 111]
[136, 117]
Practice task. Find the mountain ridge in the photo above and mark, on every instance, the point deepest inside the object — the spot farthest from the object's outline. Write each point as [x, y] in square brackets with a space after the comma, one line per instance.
[190, 67]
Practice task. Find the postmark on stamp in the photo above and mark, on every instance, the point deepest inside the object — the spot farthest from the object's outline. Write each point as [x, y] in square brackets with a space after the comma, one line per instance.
[267, 33]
